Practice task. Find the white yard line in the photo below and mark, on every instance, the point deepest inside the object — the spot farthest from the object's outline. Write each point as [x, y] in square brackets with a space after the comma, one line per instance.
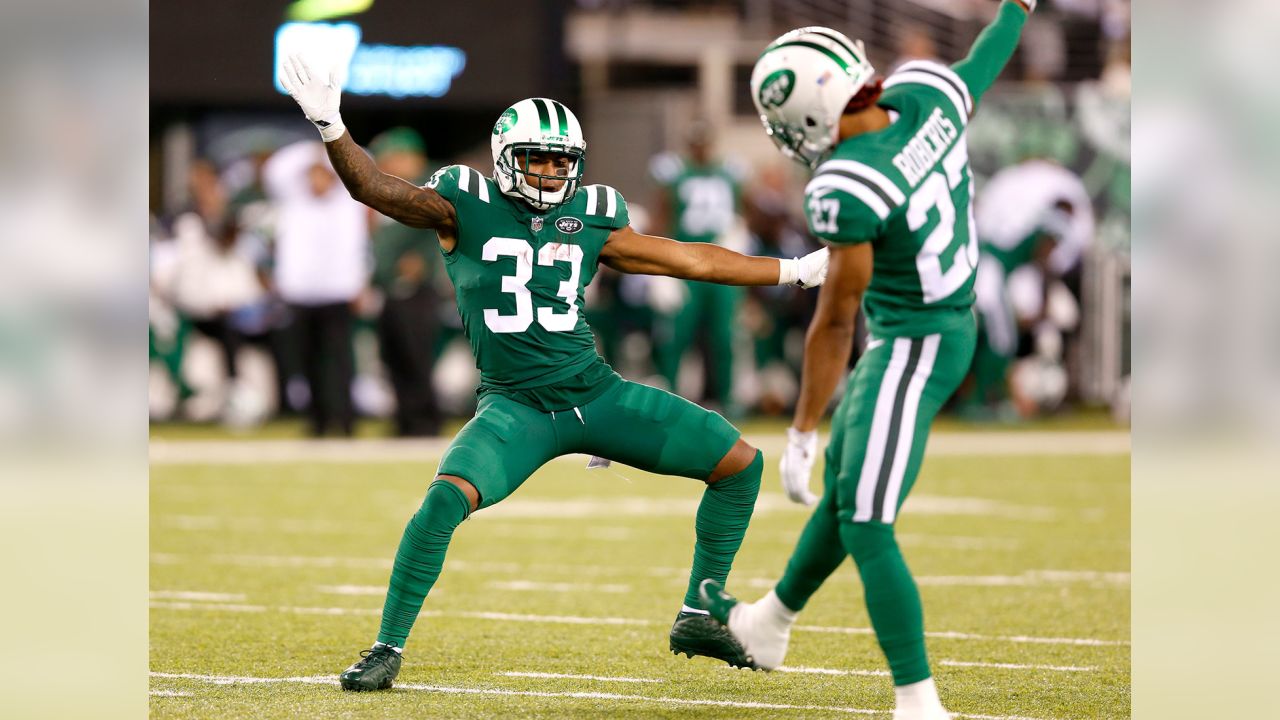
[454, 690]
[557, 587]
[578, 677]
[831, 671]
[1016, 666]
[374, 590]
[169, 693]
[198, 596]
[580, 620]
[941, 444]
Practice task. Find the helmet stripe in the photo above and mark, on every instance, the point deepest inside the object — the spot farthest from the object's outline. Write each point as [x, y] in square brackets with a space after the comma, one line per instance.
[835, 39]
[544, 115]
[844, 65]
[561, 117]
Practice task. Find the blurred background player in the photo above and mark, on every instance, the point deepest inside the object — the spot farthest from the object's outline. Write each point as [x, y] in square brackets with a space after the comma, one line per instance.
[406, 261]
[1035, 222]
[520, 248]
[699, 200]
[891, 194]
[321, 267]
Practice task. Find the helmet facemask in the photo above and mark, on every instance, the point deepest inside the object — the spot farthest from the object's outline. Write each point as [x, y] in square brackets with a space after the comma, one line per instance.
[515, 156]
[537, 125]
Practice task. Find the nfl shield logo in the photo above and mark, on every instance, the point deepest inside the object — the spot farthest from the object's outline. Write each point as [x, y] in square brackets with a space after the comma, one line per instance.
[536, 224]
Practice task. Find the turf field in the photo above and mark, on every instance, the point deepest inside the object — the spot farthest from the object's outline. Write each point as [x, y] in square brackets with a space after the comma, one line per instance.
[269, 563]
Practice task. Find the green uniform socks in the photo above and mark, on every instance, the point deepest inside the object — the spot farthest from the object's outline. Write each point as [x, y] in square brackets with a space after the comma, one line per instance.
[723, 516]
[420, 557]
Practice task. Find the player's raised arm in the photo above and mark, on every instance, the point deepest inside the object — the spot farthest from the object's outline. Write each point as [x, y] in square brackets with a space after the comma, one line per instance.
[994, 46]
[394, 197]
[631, 252]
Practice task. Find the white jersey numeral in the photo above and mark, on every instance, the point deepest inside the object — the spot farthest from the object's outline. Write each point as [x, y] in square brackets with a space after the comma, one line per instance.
[708, 205]
[935, 192]
[548, 255]
[823, 211]
[517, 285]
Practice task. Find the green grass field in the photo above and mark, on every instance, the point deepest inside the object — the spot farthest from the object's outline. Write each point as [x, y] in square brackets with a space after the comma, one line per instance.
[267, 579]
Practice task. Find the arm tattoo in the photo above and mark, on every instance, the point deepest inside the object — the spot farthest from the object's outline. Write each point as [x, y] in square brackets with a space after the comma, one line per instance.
[394, 197]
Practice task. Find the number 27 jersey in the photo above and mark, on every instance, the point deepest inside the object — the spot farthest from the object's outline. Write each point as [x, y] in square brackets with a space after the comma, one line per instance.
[519, 275]
[908, 191]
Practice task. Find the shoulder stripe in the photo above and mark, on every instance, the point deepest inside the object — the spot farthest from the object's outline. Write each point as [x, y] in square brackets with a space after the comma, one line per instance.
[611, 202]
[884, 197]
[544, 114]
[561, 117]
[933, 81]
[591, 199]
[482, 184]
[946, 74]
[464, 178]
[861, 191]
[854, 168]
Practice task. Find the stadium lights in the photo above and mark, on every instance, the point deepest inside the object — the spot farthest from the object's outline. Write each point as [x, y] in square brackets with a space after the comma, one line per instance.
[392, 70]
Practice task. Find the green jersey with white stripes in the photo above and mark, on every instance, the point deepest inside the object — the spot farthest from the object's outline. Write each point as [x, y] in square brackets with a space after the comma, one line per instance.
[704, 199]
[908, 191]
[519, 274]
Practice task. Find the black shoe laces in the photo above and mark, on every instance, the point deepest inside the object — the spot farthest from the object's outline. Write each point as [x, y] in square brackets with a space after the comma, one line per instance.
[376, 655]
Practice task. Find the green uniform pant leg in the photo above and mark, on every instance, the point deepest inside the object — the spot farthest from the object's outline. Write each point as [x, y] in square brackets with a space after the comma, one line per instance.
[496, 451]
[990, 373]
[721, 309]
[674, 333]
[659, 432]
[420, 558]
[883, 450]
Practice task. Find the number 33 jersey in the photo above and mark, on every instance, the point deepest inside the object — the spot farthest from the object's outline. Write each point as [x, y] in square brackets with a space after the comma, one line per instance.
[908, 191]
[519, 275]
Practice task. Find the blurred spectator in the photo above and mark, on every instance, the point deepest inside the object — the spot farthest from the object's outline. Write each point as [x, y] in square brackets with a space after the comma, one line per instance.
[208, 275]
[321, 267]
[776, 316]
[700, 200]
[1035, 221]
[915, 43]
[405, 261]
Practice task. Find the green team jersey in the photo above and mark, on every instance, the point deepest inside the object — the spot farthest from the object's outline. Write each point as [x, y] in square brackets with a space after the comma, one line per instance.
[704, 199]
[518, 276]
[908, 191]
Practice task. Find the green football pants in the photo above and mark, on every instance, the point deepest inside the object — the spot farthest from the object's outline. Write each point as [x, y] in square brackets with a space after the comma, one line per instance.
[877, 443]
[711, 307]
[633, 424]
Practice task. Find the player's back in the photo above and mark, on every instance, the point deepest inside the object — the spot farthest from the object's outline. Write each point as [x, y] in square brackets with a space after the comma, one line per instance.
[908, 191]
[519, 275]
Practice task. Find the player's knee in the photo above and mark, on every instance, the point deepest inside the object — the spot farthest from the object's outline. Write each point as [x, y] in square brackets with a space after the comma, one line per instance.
[470, 495]
[867, 541]
[739, 458]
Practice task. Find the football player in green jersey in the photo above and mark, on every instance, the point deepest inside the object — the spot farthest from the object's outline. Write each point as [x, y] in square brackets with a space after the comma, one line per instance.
[520, 246]
[891, 194]
[700, 200]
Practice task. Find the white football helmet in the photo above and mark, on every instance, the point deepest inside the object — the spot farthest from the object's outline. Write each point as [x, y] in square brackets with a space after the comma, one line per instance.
[801, 85]
[532, 125]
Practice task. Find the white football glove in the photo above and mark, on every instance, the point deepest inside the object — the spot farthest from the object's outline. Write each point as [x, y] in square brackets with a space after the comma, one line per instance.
[797, 465]
[317, 96]
[808, 272]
